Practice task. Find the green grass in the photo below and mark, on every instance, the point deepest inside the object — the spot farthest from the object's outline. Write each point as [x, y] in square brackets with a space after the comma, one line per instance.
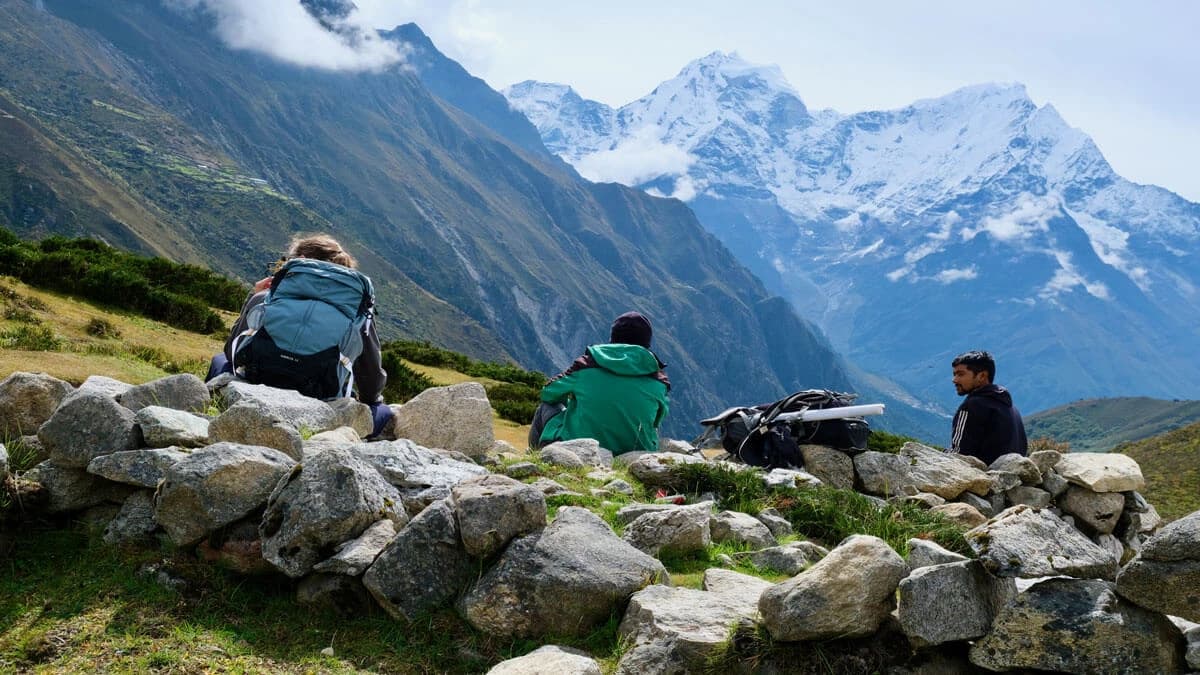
[1099, 425]
[822, 513]
[69, 603]
[1171, 466]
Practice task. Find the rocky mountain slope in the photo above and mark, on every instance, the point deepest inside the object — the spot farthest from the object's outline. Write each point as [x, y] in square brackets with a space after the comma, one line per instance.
[133, 122]
[974, 220]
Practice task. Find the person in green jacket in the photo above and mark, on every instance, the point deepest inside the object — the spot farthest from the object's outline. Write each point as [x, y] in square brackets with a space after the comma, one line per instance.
[616, 393]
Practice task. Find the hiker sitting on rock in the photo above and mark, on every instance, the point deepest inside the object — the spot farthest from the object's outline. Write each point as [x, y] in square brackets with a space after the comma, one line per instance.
[987, 424]
[615, 393]
[310, 327]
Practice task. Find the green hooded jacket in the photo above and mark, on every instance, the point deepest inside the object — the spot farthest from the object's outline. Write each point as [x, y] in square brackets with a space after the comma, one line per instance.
[614, 393]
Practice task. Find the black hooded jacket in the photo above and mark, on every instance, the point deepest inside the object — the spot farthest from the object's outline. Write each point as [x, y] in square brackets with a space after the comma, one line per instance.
[987, 425]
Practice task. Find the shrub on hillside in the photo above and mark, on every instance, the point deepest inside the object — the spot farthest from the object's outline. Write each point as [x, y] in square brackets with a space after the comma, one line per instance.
[33, 338]
[175, 293]
[437, 357]
[102, 328]
[21, 315]
[403, 382]
[1046, 443]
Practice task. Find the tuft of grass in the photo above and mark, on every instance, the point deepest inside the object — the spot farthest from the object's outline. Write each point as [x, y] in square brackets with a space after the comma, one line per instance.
[883, 441]
[823, 513]
[33, 338]
[21, 315]
[101, 328]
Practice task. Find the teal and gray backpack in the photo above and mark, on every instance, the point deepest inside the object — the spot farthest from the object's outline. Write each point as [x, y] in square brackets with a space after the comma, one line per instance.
[308, 332]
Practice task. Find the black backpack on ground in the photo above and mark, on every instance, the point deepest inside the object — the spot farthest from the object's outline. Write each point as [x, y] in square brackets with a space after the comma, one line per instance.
[770, 435]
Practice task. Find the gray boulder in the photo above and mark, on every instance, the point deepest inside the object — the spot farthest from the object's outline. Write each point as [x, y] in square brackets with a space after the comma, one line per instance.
[549, 660]
[567, 579]
[961, 514]
[847, 594]
[588, 450]
[99, 384]
[73, 489]
[424, 566]
[925, 499]
[409, 466]
[1098, 511]
[298, 410]
[832, 467]
[134, 524]
[740, 528]
[1054, 483]
[682, 530]
[630, 513]
[1003, 481]
[556, 455]
[493, 509]
[619, 486]
[1101, 471]
[215, 486]
[950, 602]
[3, 462]
[457, 417]
[656, 469]
[179, 392]
[1192, 635]
[677, 630]
[883, 473]
[1027, 542]
[942, 474]
[775, 522]
[27, 400]
[790, 478]
[1079, 626]
[249, 422]
[791, 558]
[1045, 459]
[1165, 576]
[1024, 467]
[1030, 496]
[981, 505]
[355, 556]
[521, 470]
[163, 427]
[86, 426]
[925, 553]
[351, 413]
[143, 468]
[329, 499]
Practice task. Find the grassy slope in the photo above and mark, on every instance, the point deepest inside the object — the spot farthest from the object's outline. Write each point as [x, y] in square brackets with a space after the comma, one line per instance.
[1171, 464]
[1099, 425]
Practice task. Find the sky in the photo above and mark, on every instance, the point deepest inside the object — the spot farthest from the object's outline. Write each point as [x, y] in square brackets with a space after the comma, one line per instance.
[1126, 73]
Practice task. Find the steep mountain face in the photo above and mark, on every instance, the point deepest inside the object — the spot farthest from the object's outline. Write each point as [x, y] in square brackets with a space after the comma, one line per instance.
[194, 151]
[975, 220]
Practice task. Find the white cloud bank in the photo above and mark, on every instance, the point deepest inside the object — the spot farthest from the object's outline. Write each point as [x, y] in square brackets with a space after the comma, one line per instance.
[284, 30]
[640, 157]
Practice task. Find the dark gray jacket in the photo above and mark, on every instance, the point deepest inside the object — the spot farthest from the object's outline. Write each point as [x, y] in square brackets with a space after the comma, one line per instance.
[988, 425]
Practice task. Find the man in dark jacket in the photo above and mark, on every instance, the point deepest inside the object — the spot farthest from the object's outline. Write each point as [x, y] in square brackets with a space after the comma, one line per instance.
[987, 424]
[615, 393]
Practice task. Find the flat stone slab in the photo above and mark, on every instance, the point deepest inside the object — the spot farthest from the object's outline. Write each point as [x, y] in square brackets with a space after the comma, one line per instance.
[1101, 471]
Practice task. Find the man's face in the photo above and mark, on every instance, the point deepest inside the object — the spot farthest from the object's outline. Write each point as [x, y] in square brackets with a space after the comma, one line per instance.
[966, 381]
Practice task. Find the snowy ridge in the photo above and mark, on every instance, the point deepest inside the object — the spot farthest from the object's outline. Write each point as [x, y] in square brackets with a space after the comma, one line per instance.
[980, 193]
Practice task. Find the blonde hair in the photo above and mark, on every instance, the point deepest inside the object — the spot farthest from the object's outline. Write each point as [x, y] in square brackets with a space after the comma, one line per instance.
[321, 247]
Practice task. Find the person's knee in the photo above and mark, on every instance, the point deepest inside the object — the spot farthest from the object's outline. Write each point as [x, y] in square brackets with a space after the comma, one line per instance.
[219, 365]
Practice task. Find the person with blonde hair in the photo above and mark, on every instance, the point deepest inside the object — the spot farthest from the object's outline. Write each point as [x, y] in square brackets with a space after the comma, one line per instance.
[313, 259]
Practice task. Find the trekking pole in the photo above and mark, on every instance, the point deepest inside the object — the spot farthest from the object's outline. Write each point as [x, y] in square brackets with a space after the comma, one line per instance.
[832, 413]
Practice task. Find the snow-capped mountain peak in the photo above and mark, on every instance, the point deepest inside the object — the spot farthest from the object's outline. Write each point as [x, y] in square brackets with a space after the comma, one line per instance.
[978, 194]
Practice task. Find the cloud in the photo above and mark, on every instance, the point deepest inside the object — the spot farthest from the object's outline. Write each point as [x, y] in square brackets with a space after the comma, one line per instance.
[638, 158]
[284, 30]
[462, 29]
[952, 275]
[1066, 277]
[1032, 215]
